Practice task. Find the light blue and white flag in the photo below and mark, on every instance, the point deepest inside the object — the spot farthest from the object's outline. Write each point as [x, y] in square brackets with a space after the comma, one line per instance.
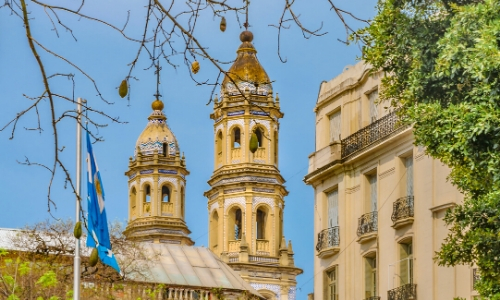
[98, 236]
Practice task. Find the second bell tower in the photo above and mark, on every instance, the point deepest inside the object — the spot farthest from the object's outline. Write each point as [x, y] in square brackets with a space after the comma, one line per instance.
[246, 198]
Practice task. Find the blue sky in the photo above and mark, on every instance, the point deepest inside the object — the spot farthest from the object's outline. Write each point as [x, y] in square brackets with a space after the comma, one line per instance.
[104, 55]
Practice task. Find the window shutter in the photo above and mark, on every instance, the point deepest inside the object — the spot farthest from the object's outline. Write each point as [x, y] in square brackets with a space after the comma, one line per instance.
[335, 126]
[333, 204]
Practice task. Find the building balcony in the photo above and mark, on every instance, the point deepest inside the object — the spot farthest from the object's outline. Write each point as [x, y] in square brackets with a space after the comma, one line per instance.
[404, 292]
[367, 227]
[402, 212]
[375, 132]
[328, 242]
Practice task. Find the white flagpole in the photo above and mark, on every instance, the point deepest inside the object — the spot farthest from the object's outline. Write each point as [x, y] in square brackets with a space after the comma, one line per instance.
[77, 259]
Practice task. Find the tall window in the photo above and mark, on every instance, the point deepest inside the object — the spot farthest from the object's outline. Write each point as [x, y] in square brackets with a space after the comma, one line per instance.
[219, 143]
[333, 208]
[261, 223]
[258, 133]
[406, 263]
[165, 194]
[147, 193]
[372, 98]
[335, 127]
[236, 137]
[373, 191]
[235, 224]
[371, 277]
[331, 285]
[214, 230]
[409, 175]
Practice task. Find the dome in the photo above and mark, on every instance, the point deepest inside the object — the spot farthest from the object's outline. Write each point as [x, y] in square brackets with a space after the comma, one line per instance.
[157, 134]
[246, 71]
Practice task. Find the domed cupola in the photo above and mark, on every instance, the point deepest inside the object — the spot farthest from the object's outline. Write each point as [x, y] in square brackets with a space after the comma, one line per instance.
[157, 185]
[246, 72]
[157, 135]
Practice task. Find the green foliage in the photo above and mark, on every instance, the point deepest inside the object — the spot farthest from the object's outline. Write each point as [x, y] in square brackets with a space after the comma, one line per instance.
[442, 65]
[47, 280]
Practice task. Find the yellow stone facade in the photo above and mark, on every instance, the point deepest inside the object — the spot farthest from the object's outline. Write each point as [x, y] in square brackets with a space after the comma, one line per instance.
[156, 185]
[246, 198]
[379, 201]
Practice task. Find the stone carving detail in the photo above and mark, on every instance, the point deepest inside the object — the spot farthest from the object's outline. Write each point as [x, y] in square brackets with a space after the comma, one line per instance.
[240, 122]
[235, 190]
[163, 179]
[258, 200]
[247, 178]
[238, 200]
[270, 287]
[262, 190]
[214, 195]
[291, 293]
[219, 127]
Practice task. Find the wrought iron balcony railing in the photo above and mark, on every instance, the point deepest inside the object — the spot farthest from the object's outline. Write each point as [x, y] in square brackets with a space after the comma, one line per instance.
[328, 238]
[373, 298]
[370, 134]
[402, 208]
[404, 292]
[367, 223]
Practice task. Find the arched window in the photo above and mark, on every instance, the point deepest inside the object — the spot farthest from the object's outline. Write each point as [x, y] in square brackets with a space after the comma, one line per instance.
[214, 231]
[235, 225]
[182, 202]
[165, 194]
[133, 195]
[236, 137]
[164, 149]
[276, 147]
[261, 223]
[219, 143]
[147, 193]
[258, 133]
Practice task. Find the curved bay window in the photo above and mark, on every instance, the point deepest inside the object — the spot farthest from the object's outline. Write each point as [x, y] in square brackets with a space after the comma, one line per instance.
[165, 194]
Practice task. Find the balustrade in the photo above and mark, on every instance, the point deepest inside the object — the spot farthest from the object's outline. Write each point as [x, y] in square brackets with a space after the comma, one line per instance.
[367, 223]
[236, 153]
[167, 208]
[328, 238]
[402, 208]
[146, 208]
[260, 154]
[234, 246]
[263, 246]
[370, 134]
[404, 292]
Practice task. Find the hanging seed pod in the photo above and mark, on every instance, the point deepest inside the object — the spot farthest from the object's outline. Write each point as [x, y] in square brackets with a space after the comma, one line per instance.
[123, 89]
[223, 24]
[254, 142]
[77, 231]
[94, 257]
[195, 67]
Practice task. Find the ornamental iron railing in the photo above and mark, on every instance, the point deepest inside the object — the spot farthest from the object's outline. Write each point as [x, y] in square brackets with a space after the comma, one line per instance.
[373, 298]
[328, 238]
[370, 134]
[404, 292]
[402, 208]
[367, 223]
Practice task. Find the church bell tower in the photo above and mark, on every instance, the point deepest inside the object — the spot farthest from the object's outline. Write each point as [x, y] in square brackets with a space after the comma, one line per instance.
[246, 197]
[156, 185]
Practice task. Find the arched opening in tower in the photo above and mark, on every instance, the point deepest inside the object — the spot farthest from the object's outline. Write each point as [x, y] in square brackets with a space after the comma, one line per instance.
[165, 194]
[147, 193]
[258, 133]
[261, 219]
[214, 231]
[132, 199]
[235, 224]
[236, 137]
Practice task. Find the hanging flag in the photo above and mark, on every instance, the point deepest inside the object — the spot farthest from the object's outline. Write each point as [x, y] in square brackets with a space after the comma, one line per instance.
[98, 236]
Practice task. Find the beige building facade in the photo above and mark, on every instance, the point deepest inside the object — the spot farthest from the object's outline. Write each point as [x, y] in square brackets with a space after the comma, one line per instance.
[246, 199]
[379, 201]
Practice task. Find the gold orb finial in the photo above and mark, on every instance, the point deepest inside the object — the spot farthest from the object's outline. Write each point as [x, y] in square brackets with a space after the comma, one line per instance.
[246, 36]
[157, 105]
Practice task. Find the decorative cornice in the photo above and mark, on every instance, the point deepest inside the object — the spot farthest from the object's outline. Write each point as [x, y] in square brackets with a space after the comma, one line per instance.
[386, 173]
[353, 189]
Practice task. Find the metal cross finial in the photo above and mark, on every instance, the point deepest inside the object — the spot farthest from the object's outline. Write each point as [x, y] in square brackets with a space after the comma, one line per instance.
[157, 72]
[246, 20]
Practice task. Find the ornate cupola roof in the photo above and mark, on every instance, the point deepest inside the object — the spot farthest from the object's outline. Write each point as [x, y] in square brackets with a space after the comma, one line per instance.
[157, 135]
[246, 71]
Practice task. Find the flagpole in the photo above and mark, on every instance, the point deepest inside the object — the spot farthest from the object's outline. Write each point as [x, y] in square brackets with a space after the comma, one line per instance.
[77, 259]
